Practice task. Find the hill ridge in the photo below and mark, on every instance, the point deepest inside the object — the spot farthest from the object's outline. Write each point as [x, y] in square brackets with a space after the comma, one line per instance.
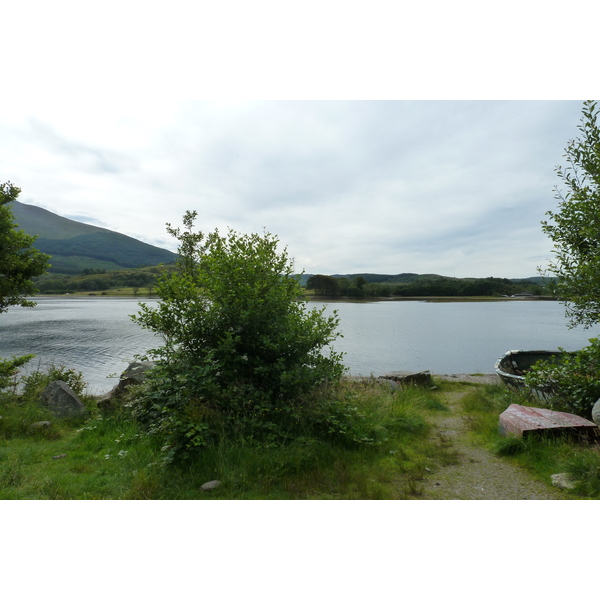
[74, 246]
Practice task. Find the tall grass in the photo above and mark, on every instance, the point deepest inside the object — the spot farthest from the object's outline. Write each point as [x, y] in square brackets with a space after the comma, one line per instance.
[373, 444]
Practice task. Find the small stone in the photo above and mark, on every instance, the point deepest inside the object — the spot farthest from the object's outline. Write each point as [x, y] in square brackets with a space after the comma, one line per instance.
[563, 481]
[59, 456]
[40, 425]
[210, 485]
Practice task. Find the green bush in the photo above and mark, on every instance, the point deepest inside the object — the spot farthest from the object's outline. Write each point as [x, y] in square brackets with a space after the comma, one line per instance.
[9, 369]
[575, 380]
[239, 341]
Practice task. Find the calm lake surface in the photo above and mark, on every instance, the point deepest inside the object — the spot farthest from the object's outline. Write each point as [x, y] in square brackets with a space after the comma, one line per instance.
[96, 336]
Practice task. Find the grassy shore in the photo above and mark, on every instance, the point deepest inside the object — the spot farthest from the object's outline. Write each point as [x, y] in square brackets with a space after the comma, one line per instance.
[110, 456]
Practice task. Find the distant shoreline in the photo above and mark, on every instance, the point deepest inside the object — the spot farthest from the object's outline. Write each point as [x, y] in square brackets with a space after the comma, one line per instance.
[331, 298]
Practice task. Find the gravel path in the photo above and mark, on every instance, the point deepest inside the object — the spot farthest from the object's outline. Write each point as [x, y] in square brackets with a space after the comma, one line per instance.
[478, 474]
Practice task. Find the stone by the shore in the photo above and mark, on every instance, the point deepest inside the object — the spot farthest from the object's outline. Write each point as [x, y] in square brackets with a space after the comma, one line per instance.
[409, 377]
[63, 401]
[134, 374]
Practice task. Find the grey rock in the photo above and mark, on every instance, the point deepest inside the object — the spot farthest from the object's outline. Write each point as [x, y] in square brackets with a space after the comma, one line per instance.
[62, 400]
[596, 413]
[409, 377]
[563, 481]
[134, 374]
[210, 485]
[393, 385]
[41, 425]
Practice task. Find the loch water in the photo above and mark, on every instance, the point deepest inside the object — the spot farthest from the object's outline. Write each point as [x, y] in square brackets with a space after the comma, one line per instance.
[96, 336]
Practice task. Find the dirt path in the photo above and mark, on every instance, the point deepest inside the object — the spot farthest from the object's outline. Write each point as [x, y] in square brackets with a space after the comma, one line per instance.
[478, 474]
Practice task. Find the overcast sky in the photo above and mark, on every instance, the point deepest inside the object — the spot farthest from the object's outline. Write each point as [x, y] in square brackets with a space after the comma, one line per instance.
[103, 126]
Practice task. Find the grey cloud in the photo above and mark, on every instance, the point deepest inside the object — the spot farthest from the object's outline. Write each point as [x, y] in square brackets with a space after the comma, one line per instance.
[85, 157]
[457, 188]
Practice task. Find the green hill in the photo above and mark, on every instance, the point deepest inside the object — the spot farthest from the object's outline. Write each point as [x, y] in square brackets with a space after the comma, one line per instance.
[75, 246]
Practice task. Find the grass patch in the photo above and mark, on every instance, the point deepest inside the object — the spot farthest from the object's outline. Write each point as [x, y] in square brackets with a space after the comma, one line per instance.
[542, 455]
[110, 456]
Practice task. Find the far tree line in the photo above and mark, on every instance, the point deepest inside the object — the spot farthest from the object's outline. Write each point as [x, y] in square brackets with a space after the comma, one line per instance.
[93, 281]
[323, 285]
[329, 286]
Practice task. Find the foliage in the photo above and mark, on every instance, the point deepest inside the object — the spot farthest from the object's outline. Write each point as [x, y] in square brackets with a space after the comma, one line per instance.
[574, 380]
[575, 231]
[19, 260]
[9, 368]
[95, 280]
[238, 339]
[377, 286]
[35, 383]
[324, 285]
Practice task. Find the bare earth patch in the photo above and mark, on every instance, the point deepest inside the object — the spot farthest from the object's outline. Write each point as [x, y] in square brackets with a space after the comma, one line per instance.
[476, 473]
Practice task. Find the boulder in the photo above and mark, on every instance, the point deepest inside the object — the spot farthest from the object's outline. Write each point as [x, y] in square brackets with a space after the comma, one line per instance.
[596, 413]
[134, 374]
[409, 377]
[63, 401]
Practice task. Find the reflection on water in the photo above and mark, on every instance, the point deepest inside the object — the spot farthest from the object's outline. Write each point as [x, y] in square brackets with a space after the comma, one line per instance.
[96, 335]
[448, 337]
[92, 335]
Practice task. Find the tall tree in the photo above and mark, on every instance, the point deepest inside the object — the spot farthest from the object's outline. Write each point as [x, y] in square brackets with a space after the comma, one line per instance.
[575, 230]
[19, 260]
[324, 285]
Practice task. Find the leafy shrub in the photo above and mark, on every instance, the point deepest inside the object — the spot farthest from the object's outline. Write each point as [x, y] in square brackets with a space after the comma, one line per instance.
[239, 341]
[575, 380]
[35, 383]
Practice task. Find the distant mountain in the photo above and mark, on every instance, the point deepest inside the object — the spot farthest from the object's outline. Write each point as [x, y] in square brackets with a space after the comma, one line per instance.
[75, 246]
